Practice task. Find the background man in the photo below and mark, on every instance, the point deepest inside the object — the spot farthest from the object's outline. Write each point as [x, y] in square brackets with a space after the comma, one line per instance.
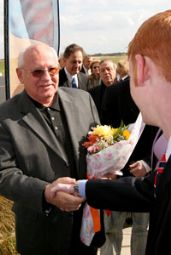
[70, 75]
[87, 60]
[108, 78]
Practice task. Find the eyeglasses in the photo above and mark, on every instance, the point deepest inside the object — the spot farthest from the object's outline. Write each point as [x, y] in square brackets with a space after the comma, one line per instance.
[40, 72]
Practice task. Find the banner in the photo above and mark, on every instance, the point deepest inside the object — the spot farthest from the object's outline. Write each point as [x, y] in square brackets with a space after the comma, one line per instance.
[29, 21]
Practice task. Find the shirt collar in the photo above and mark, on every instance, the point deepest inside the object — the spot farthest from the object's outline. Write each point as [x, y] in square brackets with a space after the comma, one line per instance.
[69, 76]
[54, 106]
[168, 150]
[123, 78]
[85, 69]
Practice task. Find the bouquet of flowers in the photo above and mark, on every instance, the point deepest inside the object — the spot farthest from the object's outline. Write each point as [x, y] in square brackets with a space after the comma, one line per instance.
[103, 146]
[108, 150]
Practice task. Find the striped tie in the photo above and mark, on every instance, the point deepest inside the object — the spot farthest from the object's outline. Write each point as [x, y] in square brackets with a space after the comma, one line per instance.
[159, 171]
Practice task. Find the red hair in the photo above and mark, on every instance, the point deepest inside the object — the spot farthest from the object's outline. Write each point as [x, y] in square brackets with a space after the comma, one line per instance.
[153, 39]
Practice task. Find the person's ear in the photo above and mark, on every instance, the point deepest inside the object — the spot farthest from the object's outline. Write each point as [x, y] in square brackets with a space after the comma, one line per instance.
[64, 60]
[19, 74]
[140, 64]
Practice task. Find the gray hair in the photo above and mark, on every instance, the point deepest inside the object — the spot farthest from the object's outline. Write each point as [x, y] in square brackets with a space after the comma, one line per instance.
[109, 60]
[21, 59]
[22, 53]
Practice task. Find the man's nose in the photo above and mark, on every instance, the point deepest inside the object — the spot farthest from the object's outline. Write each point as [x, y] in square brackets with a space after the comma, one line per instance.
[46, 74]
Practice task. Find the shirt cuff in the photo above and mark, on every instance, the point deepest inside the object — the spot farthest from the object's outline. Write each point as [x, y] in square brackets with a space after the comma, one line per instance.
[82, 188]
[147, 168]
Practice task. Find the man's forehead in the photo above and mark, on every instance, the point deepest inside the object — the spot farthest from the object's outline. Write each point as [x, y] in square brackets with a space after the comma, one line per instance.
[34, 54]
[106, 65]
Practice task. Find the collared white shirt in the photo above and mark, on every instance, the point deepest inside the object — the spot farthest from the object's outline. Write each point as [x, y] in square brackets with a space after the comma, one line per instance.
[87, 71]
[168, 150]
[70, 77]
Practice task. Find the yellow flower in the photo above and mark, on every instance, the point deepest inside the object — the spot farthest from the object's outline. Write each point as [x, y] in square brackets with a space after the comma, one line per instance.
[105, 131]
[102, 136]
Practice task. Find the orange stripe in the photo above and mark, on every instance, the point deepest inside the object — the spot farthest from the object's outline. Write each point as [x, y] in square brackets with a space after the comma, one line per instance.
[96, 219]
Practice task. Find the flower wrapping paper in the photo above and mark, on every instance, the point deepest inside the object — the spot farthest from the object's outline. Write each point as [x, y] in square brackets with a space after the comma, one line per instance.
[109, 160]
[87, 227]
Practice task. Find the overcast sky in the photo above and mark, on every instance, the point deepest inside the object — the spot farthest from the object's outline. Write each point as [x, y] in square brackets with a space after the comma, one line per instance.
[103, 26]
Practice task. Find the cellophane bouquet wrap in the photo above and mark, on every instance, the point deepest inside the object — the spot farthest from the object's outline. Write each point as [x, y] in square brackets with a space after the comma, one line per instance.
[108, 150]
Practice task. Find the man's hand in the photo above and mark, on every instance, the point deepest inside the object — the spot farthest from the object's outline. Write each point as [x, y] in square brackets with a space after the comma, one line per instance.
[110, 176]
[66, 202]
[63, 184]
[137, 169]
[61, 194]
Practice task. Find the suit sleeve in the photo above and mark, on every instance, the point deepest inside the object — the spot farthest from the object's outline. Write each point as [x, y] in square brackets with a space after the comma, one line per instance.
[124, 194]
[15, 185]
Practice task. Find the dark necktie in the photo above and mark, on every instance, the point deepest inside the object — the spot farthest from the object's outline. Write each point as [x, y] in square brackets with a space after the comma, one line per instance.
[74, 83]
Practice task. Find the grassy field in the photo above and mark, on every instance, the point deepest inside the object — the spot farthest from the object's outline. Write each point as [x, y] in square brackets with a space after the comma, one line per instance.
[2, 66]
[115, 59]
[7, 228]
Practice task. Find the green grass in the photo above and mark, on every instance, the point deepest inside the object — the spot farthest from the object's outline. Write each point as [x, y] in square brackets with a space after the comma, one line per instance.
[2, 66]
[115, 58]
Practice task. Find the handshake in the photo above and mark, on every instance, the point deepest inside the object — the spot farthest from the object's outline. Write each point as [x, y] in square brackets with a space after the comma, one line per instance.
[63, 193]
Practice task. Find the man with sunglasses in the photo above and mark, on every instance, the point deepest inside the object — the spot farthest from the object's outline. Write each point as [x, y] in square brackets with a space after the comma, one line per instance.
[40, 132]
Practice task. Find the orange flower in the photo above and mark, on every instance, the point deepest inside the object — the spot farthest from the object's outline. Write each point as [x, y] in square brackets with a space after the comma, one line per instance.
[91, 140]
[100, 137]
[126, 134]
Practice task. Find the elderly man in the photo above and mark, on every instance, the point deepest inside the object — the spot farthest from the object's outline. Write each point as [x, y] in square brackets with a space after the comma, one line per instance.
[40, 133]
[108, 78]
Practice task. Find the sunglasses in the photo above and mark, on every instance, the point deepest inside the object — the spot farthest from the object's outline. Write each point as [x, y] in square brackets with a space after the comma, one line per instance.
[40, 72]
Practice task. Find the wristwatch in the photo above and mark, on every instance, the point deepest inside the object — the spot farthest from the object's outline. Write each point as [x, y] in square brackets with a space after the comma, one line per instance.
[76, 189]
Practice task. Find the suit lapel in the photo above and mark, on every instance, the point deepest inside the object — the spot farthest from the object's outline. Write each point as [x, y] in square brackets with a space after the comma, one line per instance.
[63, 80]
[82, 81]
[71, 113]
[39, 126]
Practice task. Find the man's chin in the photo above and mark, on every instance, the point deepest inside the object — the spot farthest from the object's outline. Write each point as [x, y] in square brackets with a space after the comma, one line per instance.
[48, 92]
[148, 121]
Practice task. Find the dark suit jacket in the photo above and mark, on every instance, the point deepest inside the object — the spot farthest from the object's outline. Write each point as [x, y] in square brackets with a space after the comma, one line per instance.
[30, 157]
[137, 195]
[118, 106]
[82, 80]
[97, 94]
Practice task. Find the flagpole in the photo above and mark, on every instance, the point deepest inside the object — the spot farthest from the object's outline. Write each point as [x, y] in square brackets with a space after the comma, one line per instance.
[58, 27]
[6, 48]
